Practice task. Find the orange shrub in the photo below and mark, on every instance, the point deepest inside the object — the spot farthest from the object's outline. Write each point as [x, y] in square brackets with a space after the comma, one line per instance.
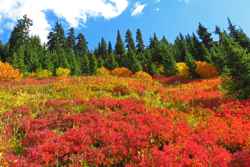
[7, 72]
[102, 71]
[206, 70]
[142, 75]
[122, 72]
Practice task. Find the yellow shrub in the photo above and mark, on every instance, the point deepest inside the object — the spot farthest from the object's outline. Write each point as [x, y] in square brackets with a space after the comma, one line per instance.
[182, 70]
[62, 72]
[206, 70]
[102, 72]
[43, 74]
[7, 72]
[122, 72]
[143, 75]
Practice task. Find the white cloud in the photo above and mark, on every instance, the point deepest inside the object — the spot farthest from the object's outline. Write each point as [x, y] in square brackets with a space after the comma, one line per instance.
[74, 12]
[138, 9]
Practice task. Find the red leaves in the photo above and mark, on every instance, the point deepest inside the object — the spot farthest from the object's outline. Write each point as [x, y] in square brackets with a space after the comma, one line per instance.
[125, 133]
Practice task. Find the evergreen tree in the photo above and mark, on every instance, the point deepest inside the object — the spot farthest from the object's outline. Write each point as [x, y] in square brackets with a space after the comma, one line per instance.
[152, 69]
[110, 49]
[239, 35]
[20, 35]
[180, 48]
[111, 62]
[130, 41]
[82, 45]
[205, 36]
[71, 39]
[85, 65]
[191, 64]
[154, 49]
[237, 71]
[56, 38]
[93, 65]
[18, 59]
[139, 40]
[103, 48]
[133, 63]
[169, 61]
[119, 46]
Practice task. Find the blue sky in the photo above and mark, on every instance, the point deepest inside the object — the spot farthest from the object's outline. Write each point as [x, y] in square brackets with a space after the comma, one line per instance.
[165, 17]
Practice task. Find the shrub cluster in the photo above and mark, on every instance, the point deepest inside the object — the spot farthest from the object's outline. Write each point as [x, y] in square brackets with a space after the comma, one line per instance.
[7, 72]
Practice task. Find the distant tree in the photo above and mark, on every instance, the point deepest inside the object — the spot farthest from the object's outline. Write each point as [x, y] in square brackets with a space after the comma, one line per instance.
[139, 40]
[239, 35]
[205, 36]
[191, 64]
[133, 63]
[71, 39]
[169, 61]
[130, 41]
[93, 64]
[82, 45]
[111, 62]
[18, 59]
[56, 38]
[180, 48]
[103, 48]
[110, 49]
[20, 34]
[85, 64]
[119, 46]
[154, 48]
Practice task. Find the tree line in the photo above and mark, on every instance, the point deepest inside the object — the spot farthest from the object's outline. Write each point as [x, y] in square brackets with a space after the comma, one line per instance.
[230, 53]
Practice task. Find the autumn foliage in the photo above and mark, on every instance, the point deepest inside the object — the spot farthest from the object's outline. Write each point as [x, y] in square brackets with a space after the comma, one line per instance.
[7, 72]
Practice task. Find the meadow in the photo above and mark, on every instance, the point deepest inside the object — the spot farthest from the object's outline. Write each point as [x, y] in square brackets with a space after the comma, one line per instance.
[126, 120]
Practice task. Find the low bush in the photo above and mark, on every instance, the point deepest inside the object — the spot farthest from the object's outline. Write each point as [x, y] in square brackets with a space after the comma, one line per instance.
[122, 72]
[143, 75]
[206, 70]
[182, 70]
[7, 72]
[62, 72]
[43, 74]
[102, 71]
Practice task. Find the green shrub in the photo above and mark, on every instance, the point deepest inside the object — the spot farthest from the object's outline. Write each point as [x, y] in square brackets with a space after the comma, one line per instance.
[62, 72]
[41, 74]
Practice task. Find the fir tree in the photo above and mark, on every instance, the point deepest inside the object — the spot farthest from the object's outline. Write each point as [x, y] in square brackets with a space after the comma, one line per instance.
[71, 39]
[139, 40]
[110, 49]
[93, 65]
[119, 46]
[130, 41]
[85, 65]
[205, 36]
[191, 64]
[82, 45]
[56, 38]
[111, 62]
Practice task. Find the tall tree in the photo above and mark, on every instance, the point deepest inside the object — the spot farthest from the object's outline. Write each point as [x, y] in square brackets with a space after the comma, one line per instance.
[71, 39]
[103, 48]
[130, 44]
[82, 45]
[56, 38]
[93, 64]
[110, 49]
[20, 35]
[205, 36]
[139, 40]
[119, 46]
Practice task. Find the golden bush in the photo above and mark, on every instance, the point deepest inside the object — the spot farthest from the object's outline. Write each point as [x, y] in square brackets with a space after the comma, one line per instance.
[7, 72]
[122, 72]
[206, 70]
[182, 70]
[43, 74]
[143, 75]
[102, 71]
[62, 72]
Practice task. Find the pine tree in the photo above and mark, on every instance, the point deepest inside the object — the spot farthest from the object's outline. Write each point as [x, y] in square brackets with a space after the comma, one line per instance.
[154, 49]
[85, 65]
[56, 38]
[82, 45]
[93, 65]
[111, 62]
[119, 46]
[133, 63]
[110, 49]
[180, 48]
[239, 35]
[237, 71]
[71, 39]
[18, 60]
[169, 61]
[191, 64]
[20, 35]
[130, 41]
[103, 48]
[205, 36]
[139, 40]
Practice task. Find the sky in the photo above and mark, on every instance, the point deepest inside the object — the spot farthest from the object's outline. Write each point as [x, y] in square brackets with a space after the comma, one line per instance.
[102, 18]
